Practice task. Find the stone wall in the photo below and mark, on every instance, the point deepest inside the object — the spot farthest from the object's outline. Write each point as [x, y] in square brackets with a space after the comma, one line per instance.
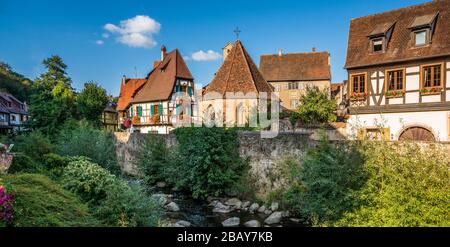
[264, 155]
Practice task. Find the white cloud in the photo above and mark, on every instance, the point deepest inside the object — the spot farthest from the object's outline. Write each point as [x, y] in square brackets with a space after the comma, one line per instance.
[136, 32]
[210, 55]
[99, 42]
[105, 35]
[137, 40]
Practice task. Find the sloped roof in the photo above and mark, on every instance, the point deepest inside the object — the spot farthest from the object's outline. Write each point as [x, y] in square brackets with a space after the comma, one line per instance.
[111, 107]
[296, 66]
[238, 73]
[161, 80]
[127, 91]
[14, 108]
[400, 46]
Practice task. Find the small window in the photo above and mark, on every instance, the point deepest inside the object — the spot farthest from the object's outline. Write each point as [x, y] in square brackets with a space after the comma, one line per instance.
[395, 80]
[294, 103]
[277, 88]
[358, 83]
[421, 38]
[377, 45]
[293, 85]
[432, 76]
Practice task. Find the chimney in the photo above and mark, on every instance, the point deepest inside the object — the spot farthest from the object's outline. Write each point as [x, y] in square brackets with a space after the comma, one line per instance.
[314, 49]
[124, 79]
[226, 50]
[280, 52]
[163, 52]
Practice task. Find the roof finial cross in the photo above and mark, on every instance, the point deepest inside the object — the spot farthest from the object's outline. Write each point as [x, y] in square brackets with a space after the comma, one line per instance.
[236, 32]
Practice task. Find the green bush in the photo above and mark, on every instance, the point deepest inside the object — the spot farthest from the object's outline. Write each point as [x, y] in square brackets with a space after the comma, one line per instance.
[408, 185]
[207, 161]
[329, 178]
[152, 158]
[41, 202]
[24, 163]
[373, 184]
[128, 206]
[81, 139]
[55, 164]
[114, 202]
[87, 179]
[34, 145]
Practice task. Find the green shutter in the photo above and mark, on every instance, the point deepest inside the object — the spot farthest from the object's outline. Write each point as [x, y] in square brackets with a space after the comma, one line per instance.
[190, 91]
[151, 110]
[160, 109]
[178, 87]
[132, 113]
[139, 111]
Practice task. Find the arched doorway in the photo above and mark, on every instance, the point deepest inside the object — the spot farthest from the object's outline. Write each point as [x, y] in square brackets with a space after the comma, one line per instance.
[417, 134]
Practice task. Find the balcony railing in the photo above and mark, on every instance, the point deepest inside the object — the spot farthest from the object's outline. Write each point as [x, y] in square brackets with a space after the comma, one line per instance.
[160, 119]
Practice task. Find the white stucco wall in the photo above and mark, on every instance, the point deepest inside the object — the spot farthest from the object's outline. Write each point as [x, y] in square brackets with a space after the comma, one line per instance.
[437, 121]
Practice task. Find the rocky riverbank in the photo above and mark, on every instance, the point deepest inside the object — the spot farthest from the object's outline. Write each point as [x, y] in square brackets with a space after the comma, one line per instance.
[181, 210]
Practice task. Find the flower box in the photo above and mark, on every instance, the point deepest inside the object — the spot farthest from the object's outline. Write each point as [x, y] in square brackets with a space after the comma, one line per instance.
[358, 96]
[136, 120]
[431, 90]
[394, 93]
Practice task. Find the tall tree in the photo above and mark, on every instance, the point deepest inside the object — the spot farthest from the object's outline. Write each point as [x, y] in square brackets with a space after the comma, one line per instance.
[91, 102]
[14, 83]
[315, 107]
[53, 98]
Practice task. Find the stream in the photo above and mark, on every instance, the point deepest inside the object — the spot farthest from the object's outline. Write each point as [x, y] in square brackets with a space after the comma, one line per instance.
[199, 214]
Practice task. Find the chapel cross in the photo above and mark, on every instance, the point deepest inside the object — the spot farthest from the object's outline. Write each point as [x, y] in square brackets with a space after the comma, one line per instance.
[236, 32]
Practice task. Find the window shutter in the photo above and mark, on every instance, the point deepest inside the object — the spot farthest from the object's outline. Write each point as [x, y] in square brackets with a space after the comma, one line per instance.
[139, 111]
[160, 109]
[190, 91]
[151, 110]
[386, 134]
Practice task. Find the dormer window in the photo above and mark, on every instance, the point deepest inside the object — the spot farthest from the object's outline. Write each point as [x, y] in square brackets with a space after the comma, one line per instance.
[377, 45]
[420, 38]
[422, 29]
[380, 37]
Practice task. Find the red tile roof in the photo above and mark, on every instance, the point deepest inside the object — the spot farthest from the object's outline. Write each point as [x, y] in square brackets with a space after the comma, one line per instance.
[296, 66]
[161, 80]
[400, 47]
[238, 73]
[127, 91]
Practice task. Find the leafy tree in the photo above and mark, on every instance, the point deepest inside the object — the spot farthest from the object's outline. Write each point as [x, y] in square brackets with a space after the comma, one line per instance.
[315, 107]
[53, 98]
[91, 102]
[14, 83]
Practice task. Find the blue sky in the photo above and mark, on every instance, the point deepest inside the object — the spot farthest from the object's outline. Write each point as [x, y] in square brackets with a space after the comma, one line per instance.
[33, 30]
